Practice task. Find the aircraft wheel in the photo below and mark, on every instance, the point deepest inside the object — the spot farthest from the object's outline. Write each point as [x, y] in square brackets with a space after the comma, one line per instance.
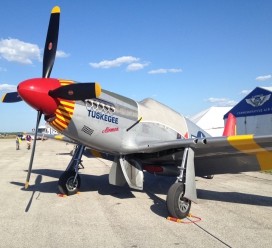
[178, 206]
[210, 176]
[67, 185]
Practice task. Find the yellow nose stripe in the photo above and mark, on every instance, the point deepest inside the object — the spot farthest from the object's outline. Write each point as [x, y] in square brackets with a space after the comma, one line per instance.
[64, 112]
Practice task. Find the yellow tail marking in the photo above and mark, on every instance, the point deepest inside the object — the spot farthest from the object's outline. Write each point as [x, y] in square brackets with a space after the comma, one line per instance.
[247, 145]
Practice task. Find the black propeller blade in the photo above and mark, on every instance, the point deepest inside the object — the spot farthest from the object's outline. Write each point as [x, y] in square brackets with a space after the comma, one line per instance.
[80, 91]
[49, 55]
[39, 114]
[11, 97]
[51, 42]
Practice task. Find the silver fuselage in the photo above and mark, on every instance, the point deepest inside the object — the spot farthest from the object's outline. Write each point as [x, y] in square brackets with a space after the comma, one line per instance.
[118, 125]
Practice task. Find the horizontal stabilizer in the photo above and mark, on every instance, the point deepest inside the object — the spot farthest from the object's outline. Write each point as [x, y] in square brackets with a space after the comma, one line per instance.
[11, 97]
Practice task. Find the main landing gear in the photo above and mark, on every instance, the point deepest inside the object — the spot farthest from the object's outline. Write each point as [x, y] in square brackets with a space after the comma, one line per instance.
[183, 192]
[180, 194]
[69, 181]
[178, 206]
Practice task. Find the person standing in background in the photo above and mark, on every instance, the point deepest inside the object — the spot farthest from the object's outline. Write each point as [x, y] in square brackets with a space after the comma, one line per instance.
[28, 141]
[18, 141]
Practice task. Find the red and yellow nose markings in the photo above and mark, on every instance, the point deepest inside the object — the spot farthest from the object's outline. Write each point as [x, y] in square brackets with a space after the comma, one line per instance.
[247, 145]
[64, 112]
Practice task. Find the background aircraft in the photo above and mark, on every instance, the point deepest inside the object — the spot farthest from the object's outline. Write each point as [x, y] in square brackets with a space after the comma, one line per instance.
[136, 136]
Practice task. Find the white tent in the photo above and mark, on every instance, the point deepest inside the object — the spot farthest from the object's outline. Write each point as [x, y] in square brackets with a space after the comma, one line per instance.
[211, 120]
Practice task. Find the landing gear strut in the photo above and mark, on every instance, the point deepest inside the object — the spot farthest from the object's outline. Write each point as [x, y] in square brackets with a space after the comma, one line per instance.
[69, 181]
[183, 192]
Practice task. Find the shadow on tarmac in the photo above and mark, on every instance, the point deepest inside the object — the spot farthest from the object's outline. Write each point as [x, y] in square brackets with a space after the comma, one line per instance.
[235, 197]
[88, 183]
[153, 185]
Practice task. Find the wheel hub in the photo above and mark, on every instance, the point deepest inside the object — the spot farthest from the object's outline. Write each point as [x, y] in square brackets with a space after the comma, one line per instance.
[72, 183]
[183, 203]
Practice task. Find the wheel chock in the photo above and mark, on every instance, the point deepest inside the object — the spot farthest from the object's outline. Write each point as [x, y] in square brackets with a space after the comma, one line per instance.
[196, 219]
[174, 219]
[62, 195]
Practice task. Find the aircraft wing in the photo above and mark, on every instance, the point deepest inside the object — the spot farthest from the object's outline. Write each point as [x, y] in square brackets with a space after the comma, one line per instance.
[213, 155]
[216, 155]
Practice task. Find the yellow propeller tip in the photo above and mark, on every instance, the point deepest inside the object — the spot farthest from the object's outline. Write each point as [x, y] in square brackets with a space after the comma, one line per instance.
[3, 98]
[98, 89]
[56, 9]
[26, 185]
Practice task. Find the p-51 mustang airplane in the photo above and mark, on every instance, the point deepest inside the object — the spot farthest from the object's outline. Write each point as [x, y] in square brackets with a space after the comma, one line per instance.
[136, 136]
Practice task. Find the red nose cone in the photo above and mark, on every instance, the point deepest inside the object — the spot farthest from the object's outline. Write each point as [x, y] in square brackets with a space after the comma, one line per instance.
[35, 93]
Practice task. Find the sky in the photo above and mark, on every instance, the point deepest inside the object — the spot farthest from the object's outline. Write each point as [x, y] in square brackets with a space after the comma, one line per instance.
[189, 55]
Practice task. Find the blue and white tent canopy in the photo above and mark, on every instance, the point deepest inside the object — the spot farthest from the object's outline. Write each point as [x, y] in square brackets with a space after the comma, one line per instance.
[257, 102]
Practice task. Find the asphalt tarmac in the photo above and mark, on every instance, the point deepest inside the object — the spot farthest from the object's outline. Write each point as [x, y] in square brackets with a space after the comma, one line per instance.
[235, 210]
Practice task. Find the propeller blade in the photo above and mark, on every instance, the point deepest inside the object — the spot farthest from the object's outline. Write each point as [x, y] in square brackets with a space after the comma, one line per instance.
[11, 97]
[51, 42]
[39, 114]
[80, 91]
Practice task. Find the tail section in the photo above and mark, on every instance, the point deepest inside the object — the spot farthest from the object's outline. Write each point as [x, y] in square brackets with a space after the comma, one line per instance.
[230, 127]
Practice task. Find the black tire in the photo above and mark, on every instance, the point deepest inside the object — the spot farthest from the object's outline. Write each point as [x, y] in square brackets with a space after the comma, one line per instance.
[66, 184]
[209, 176]
[178, 206]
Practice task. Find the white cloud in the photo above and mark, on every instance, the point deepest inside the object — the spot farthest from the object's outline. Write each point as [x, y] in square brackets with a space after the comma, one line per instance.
[105, 64]
[8, 87]
[136, 66]
[263, 78]
[163, 71]
[62, 54]
[245, 92]
[223, 102]
[133, 64]
[15, 50]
